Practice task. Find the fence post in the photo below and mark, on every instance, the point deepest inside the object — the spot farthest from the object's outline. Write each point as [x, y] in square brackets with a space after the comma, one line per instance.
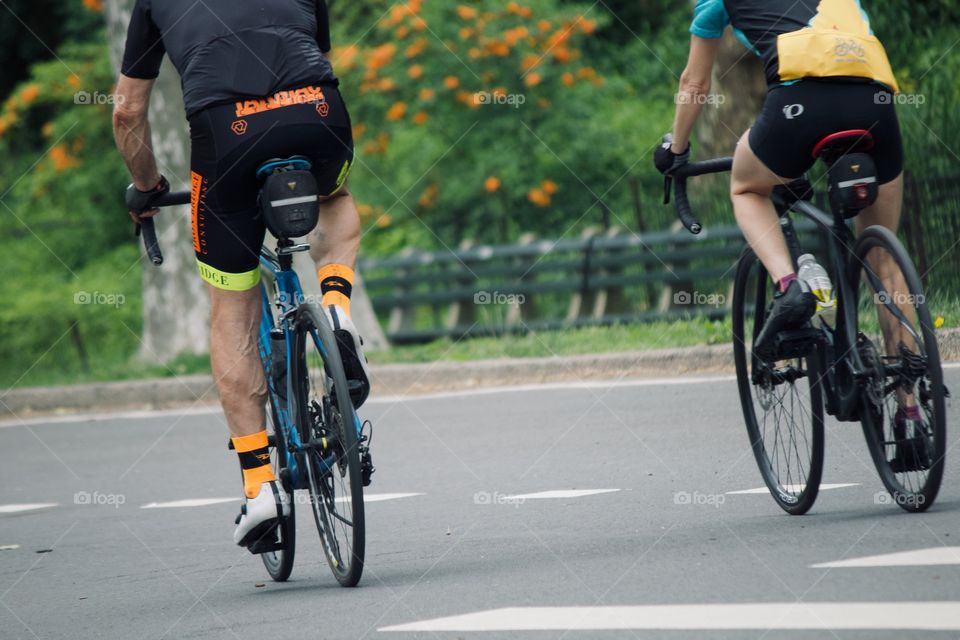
[582, 297]
[462, 313]
[403, 315]
[519, 312]
[610, 300]
[671, 297]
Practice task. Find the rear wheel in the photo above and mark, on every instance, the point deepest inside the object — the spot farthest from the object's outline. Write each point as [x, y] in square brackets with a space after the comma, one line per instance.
[279, 563]
[329, 429]
[781, 400]
[898, 347]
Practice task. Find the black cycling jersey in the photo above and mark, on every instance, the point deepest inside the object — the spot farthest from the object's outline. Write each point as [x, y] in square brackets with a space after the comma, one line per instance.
[799, 39]
[225, 49]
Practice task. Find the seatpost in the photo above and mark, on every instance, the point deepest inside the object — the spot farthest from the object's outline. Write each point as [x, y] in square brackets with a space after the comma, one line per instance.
[285, 258]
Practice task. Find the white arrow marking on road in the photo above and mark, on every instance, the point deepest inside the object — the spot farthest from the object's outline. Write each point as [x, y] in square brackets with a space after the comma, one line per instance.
[941, 616]
[914, 558]
[794, 488]
[194, 502]
[569, 493]
[17, 508]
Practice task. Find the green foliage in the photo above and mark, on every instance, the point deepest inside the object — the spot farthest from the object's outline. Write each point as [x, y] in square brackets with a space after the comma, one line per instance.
[71, 282]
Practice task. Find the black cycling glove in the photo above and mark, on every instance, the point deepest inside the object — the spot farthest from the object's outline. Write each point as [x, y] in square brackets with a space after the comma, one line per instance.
[666, 160]
[140, 201]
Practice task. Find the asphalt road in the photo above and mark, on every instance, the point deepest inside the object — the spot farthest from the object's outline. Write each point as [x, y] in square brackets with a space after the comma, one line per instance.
[464, 557]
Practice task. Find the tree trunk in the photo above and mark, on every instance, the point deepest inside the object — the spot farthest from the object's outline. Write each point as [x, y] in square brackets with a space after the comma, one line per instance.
[176, 310]
[737, 77]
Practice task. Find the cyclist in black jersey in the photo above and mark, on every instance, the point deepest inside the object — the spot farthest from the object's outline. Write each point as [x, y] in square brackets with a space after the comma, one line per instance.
[256, 85]
[826, 73]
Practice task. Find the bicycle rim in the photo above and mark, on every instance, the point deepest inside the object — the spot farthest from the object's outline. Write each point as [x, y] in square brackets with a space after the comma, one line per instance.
[781, 401]
[898, 345]
[328, 426]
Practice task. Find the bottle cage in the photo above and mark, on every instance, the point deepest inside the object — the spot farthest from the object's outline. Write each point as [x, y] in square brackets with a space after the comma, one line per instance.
[288, 198]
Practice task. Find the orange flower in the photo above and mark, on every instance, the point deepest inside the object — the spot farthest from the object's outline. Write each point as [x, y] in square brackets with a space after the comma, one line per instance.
[47, 130]
[549, 187]
[426, 94]
[498, 92]
[586, 72]
[562, 55]
[420, 117]
[525, 12]
[513, 7]
[382, 55]
[538, 197]
[429, 196]
[465, 32]
[415, 72]
[73, 80]
[397, 111]
[473, 53]
[386, 84]
[491, 184]
[544, 26]
[402, 32]
[29, 93]
[498, 48]
[418, 23]
[416, 48]
[451, 82]
[383, 220]
[567, 79]
[93, 5]
[533, 79]
[466, 12]
[588, 26]
[529, 61]
[513, 36]
[358, 130]
[62, 160]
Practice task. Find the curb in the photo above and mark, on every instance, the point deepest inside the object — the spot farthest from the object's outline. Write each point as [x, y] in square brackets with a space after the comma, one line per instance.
[403, 379]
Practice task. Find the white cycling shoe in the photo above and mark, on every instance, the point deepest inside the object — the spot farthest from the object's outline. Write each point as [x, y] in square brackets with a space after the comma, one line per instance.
[351, 353]
[259, 516]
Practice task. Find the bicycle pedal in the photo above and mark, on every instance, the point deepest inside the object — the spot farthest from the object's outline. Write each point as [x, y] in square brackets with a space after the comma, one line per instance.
[267, 542]
[796, 343]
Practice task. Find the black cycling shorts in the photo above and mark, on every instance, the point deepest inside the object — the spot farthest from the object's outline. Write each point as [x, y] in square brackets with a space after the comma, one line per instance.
[229, 142]
[796, 117]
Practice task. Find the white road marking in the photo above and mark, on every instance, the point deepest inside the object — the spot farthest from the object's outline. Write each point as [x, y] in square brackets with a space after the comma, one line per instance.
[562, 493]
[793, 488]
[18, 508]
[914, 558]
[380, 497]
[192, 502]
[927, 616]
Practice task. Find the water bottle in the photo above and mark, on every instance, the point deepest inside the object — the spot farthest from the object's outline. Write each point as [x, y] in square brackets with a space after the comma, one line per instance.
[817, 278]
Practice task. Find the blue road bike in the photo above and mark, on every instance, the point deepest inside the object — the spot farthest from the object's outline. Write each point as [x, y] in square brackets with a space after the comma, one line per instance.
[318, 443]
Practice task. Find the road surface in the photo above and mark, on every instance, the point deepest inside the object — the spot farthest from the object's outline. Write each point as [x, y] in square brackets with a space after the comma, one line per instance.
[573, 511]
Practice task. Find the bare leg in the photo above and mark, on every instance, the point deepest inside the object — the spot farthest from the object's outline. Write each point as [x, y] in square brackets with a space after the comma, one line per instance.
[886, 212]
[235, 360]
[337, 237]
[750, 187]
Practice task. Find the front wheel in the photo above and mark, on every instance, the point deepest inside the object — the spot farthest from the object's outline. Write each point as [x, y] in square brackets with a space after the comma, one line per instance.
[898, 346]
[329, 430]
[781, 400]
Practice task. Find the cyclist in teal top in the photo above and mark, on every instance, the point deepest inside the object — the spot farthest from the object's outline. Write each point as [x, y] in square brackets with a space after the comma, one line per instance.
[816, 55]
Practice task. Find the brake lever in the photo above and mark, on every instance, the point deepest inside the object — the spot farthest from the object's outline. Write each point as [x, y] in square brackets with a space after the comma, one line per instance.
[667, 189]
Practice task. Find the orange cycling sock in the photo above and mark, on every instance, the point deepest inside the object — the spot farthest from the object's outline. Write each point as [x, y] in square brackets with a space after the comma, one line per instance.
[336, 285]
[254, 461]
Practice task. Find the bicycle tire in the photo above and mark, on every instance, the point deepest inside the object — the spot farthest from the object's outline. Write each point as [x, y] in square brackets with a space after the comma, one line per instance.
[873, 424]
[312, 327]
[279, 564]
[783, 490]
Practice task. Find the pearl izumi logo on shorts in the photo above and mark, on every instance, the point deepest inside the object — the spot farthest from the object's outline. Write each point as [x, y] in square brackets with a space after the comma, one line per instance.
[792, 111]
[305, 95]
